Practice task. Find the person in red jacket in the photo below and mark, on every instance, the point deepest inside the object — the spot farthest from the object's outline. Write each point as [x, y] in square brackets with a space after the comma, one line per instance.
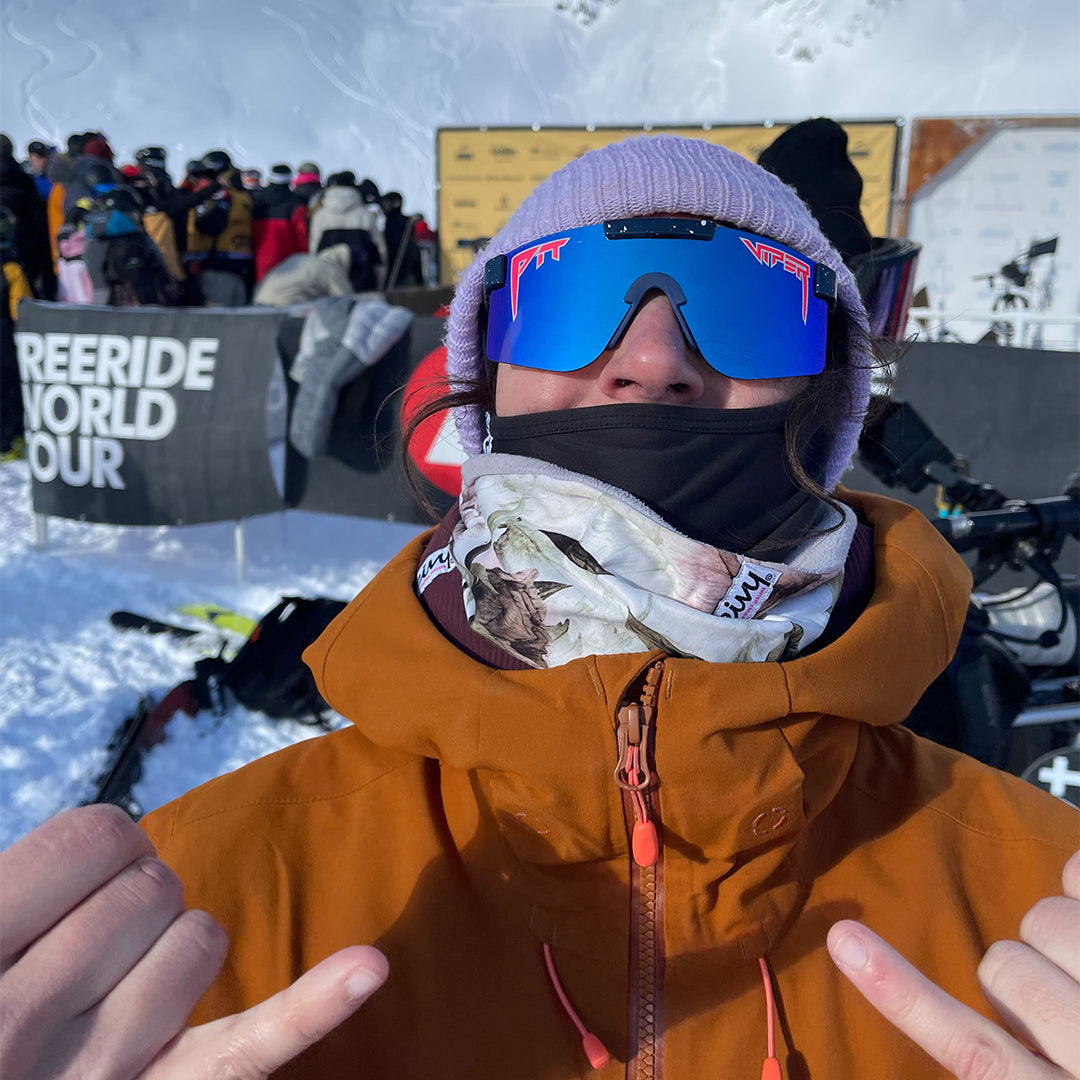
[279, 222]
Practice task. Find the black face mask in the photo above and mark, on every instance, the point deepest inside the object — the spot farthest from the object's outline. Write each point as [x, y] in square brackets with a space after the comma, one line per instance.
[717, 475]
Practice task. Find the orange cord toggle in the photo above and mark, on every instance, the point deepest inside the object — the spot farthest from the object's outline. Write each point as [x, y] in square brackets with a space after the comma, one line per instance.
[771, 1070]
[595, 1050]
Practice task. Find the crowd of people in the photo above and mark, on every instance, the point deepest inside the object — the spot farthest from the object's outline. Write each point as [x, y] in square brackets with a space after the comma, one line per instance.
[80, 228]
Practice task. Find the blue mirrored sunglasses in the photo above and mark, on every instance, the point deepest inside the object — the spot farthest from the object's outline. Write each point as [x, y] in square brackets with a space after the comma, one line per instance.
[753, 308]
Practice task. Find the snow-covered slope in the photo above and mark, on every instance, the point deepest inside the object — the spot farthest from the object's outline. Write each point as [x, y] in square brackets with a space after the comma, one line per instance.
[67, 678]
[363, 85]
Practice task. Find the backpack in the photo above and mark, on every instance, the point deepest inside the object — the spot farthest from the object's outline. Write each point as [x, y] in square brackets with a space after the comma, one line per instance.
[365, 255]
[268, 675]
[135, 273]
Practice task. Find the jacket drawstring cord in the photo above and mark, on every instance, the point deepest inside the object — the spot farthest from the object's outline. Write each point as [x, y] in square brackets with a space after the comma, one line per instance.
[770, 1070]
[594, 1049]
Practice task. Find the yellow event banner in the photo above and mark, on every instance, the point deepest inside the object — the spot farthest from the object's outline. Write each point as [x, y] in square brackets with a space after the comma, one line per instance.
[484, 173]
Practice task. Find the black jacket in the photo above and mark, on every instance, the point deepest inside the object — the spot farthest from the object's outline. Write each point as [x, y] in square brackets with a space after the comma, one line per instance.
[19, 195]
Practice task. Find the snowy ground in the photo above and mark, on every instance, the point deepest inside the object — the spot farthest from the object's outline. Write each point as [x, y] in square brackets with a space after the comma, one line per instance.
[67, 678]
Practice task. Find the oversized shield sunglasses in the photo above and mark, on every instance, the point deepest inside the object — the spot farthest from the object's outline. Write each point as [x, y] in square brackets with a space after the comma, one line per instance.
[753, 308]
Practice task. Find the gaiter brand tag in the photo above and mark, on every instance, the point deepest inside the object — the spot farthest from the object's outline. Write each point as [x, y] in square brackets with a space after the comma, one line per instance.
[749, 590]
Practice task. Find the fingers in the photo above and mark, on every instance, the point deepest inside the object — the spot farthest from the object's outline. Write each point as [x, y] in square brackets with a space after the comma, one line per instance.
[251, 1045]
[76, 963]
[52, 869]
[1070, 876]
[1052, 927]
[1036, 999]
[966, 1044]
[151, 1006]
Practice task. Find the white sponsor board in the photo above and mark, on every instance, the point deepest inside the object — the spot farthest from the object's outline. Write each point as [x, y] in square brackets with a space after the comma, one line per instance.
[1017, 188]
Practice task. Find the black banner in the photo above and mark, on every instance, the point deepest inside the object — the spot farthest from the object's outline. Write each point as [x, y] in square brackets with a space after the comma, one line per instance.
[147, 416]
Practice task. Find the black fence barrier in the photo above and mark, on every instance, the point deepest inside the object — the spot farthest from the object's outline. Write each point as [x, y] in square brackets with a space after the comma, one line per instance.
[148, 416]
[1014, 414]
[155, 416]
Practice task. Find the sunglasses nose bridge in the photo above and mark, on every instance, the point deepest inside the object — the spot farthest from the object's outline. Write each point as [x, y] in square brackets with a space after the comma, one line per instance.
[635, 296]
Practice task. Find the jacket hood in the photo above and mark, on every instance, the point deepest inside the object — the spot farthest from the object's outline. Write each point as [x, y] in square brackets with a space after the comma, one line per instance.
[746, 755]
[340, 199]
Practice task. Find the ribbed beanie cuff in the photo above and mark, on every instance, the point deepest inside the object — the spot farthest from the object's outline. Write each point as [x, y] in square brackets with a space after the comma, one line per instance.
[660, 174]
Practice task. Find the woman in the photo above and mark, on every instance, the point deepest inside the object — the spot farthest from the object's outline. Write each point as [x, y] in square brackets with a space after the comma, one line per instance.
[625, 738]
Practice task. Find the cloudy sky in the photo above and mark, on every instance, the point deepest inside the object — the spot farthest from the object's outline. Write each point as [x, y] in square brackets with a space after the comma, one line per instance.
[364, 85]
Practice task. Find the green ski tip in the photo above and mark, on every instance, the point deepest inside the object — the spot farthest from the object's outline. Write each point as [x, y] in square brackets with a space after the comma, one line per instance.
[220, 618]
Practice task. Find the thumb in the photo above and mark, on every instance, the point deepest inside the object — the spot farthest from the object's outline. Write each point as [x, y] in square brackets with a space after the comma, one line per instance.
[252, 1044]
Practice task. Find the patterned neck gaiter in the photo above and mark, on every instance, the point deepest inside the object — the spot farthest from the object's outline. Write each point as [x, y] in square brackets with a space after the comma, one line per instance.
[557, 565]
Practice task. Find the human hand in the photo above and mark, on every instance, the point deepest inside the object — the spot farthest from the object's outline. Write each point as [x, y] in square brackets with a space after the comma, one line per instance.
[1033, 984]
[100, 967]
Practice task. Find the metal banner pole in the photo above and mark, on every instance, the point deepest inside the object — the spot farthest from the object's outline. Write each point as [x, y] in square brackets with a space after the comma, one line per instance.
[241, 554]
[41, 531]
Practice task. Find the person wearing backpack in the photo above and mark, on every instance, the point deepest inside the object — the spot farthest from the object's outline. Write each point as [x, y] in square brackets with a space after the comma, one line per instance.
[125, 266]
[340, 215]
[219, 251]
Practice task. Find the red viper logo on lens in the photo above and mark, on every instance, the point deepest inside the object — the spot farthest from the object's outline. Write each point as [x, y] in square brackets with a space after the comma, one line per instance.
[520, 263]
[770, 256]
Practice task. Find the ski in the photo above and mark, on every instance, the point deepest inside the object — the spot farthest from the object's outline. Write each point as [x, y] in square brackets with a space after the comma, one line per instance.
[144, 728]
[199, 637]
[220, 618]
[130, 620]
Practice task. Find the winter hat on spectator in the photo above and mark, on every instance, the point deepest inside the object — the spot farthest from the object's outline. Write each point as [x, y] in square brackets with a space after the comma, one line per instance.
[369, 189]
[39, 148]
[659, 174]
[130, 171]
[309, 168]
[812, 157]
[280, 174]
[7, 147]
[216, 161]
[99, 148]
[154, 156]
[345, 178]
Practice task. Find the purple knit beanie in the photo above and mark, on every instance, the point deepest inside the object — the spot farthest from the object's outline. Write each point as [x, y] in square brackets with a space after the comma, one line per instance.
[659, 174]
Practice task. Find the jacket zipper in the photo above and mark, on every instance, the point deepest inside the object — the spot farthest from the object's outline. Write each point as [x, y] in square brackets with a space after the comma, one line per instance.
[635, 738]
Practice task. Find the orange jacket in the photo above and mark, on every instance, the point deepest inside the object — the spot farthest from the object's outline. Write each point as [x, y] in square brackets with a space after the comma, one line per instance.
[54, 209]
[470, 816]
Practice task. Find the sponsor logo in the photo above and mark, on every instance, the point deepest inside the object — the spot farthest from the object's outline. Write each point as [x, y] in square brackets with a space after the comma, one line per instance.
[464, 202]
[85, 395]
[503, 151]
[435, 565]
[520, 263]
[751, 588]
[768, 255]
[463, 155]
